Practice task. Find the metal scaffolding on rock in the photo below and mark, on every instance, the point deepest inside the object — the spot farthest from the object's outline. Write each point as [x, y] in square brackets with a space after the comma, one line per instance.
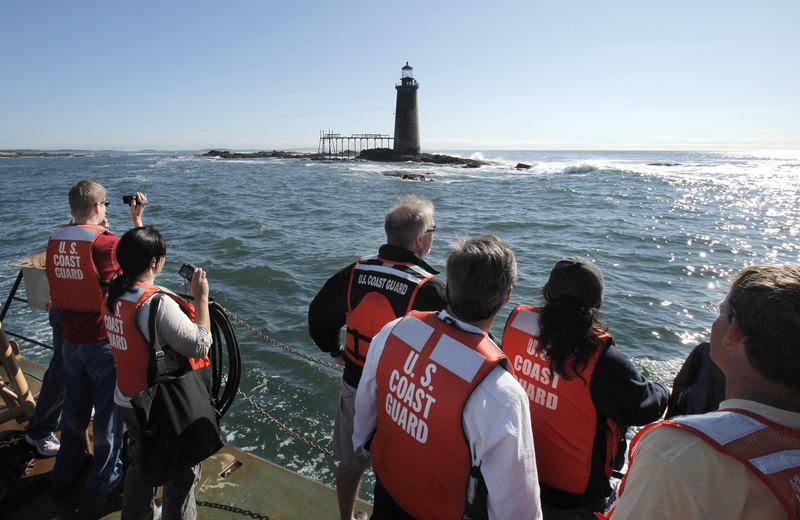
[337, 146]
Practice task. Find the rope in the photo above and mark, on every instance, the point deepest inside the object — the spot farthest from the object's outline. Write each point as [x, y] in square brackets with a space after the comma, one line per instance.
[17, 459]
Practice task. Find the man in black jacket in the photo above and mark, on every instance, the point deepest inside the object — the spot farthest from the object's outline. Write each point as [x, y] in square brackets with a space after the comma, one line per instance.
[365, 296]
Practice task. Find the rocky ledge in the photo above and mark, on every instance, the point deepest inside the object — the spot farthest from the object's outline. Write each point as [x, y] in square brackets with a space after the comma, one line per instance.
[389, 155]
[275, 154]
[374, 154]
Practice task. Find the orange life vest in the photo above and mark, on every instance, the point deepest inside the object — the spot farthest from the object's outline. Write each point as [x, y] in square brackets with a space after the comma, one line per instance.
[73, 278]
[427, 371]
[770, 450]
[131, 350]
[563, 415]
[379, 292]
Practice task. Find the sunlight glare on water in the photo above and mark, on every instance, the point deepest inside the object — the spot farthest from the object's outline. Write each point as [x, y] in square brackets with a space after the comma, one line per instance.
[667, 228]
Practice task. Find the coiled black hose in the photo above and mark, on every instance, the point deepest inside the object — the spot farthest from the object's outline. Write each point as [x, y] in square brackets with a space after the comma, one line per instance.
[224, 353]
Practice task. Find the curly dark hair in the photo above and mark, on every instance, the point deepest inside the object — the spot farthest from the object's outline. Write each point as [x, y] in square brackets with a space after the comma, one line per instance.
[569, 333]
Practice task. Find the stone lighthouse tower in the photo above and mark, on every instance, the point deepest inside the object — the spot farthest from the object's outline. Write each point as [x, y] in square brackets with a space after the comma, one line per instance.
[406, 114]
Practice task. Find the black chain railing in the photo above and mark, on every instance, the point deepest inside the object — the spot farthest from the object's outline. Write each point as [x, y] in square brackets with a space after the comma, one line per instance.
[257, 407]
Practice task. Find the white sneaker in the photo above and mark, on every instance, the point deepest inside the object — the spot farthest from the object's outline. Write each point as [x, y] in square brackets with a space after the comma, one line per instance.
[46, 447]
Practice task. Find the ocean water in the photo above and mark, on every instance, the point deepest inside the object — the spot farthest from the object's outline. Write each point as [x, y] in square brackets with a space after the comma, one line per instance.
[667, 228]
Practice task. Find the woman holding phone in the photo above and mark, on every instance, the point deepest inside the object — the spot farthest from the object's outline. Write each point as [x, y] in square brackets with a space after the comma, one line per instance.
[184, 333]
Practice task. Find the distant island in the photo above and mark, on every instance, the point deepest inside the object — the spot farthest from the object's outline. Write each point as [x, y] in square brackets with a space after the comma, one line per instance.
[13, 153]
[373, 154]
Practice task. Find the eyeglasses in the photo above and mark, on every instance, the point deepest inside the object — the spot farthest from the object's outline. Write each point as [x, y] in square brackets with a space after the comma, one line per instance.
[104, 202]
[431, 230]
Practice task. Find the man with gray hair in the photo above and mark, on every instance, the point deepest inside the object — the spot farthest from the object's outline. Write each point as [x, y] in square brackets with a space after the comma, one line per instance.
[742, 461]
[365, 296]
[447, 425]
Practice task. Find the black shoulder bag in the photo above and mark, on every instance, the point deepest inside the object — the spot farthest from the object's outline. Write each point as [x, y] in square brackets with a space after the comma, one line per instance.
[177, 416]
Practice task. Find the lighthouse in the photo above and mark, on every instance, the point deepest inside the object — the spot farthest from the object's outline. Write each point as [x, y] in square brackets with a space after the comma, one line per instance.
[406, 114]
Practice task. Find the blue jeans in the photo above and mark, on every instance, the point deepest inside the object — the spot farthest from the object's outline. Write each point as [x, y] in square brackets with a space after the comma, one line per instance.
[51, 396]
[90, 378]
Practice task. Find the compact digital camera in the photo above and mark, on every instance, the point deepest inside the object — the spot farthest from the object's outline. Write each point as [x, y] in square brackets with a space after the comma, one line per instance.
[187, 270]
[126, 199]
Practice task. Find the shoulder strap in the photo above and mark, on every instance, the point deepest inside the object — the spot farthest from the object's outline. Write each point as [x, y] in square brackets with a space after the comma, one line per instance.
[156, 372]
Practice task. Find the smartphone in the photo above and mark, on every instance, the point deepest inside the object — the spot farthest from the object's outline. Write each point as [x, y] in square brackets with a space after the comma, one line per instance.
[187, 270]
[126, 199]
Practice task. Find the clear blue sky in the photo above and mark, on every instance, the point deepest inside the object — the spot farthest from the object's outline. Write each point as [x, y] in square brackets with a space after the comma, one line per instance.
[521, 74]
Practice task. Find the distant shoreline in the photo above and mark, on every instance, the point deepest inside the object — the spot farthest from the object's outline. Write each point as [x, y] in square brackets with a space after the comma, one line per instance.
[374, 154]
[13, 153]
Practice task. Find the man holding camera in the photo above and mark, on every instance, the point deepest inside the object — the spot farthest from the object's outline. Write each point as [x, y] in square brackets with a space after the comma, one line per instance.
[80, 262]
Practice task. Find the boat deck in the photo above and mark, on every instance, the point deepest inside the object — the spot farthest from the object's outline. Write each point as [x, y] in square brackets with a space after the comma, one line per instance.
[233, 485]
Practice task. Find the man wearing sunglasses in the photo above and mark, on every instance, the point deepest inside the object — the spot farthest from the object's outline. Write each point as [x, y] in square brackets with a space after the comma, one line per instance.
[80, 262]
[364, 296]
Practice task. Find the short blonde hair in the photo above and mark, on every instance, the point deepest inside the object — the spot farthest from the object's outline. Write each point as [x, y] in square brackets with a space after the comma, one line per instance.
[83, 196]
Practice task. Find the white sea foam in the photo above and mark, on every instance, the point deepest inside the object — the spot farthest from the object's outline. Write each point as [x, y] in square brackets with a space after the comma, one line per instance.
[663, 226]
[580, 168]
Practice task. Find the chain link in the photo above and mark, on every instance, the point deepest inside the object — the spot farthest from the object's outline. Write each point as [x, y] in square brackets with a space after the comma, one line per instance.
[241, 322]
[255, 405]
[282, 426]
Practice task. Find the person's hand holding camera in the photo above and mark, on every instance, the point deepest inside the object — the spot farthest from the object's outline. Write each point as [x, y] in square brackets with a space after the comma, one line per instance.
[198, 283]
[137, 204]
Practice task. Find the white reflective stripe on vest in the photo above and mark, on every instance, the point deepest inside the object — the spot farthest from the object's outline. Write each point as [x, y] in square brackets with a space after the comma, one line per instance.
[413, 332]
[75, 233]
[393, 271]
[776, 462]
[723, 427]
[527, 322]
[457, 358]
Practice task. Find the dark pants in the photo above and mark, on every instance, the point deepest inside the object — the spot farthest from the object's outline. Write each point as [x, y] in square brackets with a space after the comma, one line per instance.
[138, 502]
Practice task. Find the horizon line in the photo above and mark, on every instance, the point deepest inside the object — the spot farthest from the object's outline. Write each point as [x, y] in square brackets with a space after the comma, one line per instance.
[307, 149]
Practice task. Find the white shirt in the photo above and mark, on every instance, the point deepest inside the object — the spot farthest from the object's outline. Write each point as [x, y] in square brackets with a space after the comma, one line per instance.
[497, 425]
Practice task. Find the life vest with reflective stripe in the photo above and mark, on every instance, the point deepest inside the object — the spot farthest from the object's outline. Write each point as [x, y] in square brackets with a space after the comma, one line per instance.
[426, 373]
[73, 278]
[770, 450]
[380, 291]
[132, 352]
[564, 418]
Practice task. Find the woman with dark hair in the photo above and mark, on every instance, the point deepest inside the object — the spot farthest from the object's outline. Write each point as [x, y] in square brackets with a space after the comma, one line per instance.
[183, 332]
[583, 391]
